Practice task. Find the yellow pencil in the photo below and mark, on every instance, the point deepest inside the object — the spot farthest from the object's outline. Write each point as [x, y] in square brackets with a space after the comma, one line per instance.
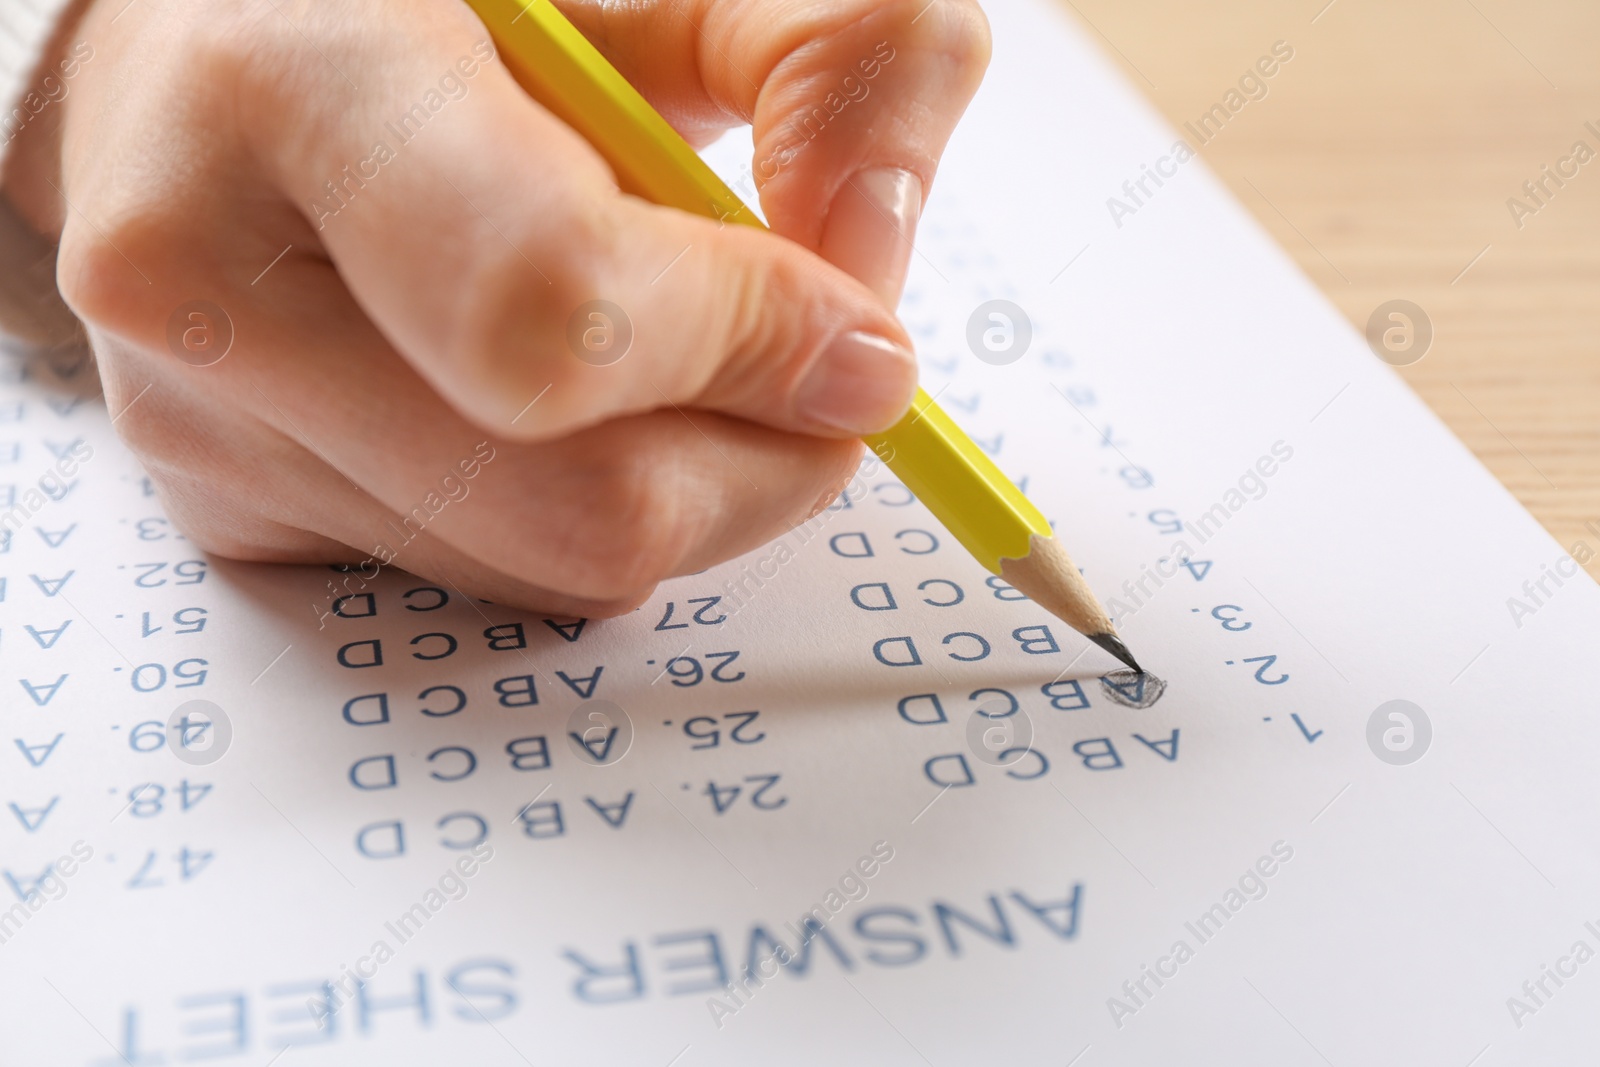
[976, 502]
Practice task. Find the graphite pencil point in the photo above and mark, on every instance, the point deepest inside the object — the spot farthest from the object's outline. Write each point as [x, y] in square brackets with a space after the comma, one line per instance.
[1113, 644]
[1047, 576]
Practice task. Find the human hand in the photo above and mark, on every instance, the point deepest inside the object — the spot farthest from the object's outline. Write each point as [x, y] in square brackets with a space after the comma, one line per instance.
[391, 241]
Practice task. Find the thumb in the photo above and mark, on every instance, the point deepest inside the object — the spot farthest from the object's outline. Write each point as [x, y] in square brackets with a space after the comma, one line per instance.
[690, 312]
[491, 250]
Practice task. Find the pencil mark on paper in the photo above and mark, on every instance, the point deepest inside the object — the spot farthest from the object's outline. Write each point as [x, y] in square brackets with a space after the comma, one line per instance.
[1132, 689]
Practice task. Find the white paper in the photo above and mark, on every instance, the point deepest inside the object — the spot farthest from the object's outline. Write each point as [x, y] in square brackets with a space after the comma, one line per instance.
[1014, 918]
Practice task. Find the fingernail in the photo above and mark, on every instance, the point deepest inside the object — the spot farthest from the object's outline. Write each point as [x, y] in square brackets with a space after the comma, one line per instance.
[870, 228]
[861, 384]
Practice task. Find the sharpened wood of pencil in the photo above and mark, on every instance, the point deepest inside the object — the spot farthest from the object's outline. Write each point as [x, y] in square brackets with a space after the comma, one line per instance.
[992, 518]
[935, 459]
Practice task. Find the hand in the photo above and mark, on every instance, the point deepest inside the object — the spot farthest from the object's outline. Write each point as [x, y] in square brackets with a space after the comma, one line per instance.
[399, 242]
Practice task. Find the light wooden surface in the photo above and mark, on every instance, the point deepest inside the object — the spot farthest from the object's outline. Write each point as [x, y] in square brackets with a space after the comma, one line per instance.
[1382, 159]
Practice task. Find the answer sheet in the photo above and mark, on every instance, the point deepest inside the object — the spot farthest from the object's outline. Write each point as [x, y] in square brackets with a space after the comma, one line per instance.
[850, 799]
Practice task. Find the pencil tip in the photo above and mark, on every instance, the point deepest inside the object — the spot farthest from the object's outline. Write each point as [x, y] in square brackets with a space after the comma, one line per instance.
[1113, 644]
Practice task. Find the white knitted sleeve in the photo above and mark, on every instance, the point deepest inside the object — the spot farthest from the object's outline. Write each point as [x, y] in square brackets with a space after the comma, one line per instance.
[30, 309]
[26, 27]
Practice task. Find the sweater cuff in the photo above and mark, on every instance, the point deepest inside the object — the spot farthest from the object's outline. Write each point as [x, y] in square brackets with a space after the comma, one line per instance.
[30, 308]
[26, 89]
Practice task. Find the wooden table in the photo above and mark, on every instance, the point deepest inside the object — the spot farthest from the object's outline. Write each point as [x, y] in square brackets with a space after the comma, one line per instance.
[1382, 159]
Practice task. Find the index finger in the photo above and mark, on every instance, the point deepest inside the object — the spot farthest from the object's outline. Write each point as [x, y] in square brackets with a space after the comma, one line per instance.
[852, 104]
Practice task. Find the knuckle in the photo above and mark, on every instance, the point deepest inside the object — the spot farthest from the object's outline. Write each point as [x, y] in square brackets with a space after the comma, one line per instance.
[255, 63]
[508, 340]
[96, 270]
[768, 307]
[639, 537]
[645, 536]
[224, 56]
